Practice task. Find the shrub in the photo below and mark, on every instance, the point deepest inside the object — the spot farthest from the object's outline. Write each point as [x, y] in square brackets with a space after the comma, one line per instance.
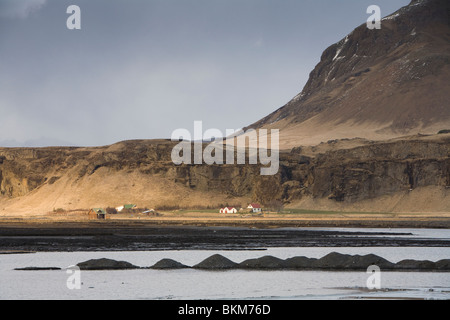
[110, 210]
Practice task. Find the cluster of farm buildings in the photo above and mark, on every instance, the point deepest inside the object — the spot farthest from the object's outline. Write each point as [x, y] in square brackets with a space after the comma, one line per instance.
[252, 207]
[100, 213]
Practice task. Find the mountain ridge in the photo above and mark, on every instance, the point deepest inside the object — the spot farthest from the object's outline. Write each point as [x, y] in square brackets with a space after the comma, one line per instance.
[376, 84]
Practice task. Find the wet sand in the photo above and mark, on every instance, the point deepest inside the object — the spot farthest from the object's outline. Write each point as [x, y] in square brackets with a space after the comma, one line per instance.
[136, 235]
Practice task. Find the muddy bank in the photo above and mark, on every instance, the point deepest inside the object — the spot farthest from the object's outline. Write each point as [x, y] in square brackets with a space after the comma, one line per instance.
[322, 220]
[148, 238]
[332, 261]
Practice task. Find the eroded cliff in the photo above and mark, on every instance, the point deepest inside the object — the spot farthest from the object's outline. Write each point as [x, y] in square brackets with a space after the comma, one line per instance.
[142, 171]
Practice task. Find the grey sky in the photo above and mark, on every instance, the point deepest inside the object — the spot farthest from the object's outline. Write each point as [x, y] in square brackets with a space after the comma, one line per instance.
[141, 69]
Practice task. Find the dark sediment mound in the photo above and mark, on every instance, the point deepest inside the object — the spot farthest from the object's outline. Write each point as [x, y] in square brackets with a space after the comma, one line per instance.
[425, 265]
[362, 262]
[105, 264]
[216, 262]
[267, 262]
[443, 265]
[167, 264]
[340, 261]
[300, 263]
[332, 261]
[415, 264]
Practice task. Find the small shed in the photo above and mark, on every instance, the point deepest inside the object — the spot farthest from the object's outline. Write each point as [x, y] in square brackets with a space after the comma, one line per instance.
[97, 213]
[255, 207]
[129, 206]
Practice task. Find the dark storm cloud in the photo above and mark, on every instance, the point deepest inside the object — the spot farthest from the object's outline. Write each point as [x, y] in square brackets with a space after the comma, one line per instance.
[20, 8]
[141, 69]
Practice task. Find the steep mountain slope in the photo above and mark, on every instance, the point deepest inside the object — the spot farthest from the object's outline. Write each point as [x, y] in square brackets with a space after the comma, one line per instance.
[376, 84]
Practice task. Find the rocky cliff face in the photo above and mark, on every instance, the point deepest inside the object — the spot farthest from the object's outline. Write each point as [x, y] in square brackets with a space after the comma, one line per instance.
[381, 169]
[342, 175]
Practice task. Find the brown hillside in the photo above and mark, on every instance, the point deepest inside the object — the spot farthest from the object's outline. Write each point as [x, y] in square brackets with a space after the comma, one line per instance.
[401, 175]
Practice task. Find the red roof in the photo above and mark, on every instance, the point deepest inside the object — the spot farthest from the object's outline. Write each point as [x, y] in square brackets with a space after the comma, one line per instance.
[255, 205]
